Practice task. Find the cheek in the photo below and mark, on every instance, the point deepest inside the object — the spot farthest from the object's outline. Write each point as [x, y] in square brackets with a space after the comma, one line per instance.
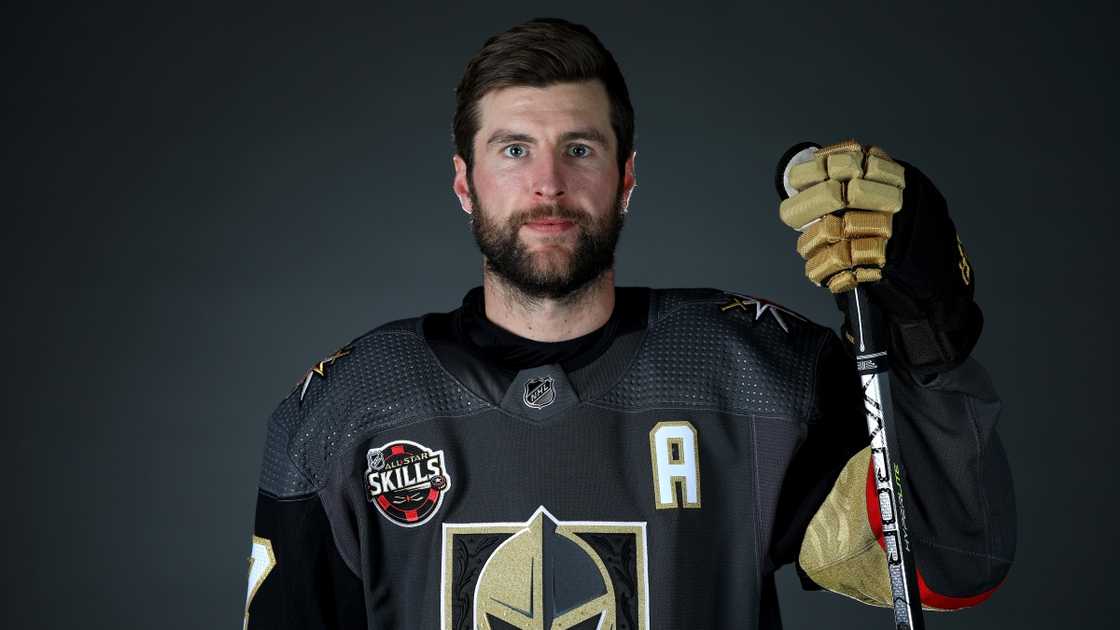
[596, 187]
[508, 182]
[494, 188]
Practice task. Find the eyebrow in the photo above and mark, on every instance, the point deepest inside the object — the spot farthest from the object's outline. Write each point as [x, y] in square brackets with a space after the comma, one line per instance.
[589, 134]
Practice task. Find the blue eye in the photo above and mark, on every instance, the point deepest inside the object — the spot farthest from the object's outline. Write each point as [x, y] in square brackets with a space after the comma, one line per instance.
[518, 147]
[586, 150]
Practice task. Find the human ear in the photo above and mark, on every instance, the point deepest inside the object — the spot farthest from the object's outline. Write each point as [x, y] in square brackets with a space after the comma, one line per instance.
[460, 184]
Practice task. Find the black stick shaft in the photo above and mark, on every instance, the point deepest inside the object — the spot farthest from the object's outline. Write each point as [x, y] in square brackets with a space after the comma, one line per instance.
[872, 364]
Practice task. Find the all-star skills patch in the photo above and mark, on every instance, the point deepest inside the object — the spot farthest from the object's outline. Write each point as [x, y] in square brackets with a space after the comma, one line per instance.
[406, 482]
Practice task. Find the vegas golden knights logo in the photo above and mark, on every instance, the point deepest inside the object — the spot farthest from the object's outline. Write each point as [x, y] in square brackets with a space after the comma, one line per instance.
[544, 574]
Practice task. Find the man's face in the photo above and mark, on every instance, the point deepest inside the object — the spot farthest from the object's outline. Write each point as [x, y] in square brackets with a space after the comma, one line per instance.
[545, 191]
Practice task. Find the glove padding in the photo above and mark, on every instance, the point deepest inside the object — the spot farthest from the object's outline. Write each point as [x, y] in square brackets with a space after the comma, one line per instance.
[889, 230]
[845, 197]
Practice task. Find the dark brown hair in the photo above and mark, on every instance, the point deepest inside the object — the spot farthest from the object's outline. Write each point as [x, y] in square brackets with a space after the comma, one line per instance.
[539, 53]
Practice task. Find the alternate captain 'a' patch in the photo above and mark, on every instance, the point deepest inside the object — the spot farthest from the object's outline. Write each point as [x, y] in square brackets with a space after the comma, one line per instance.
[406, 482]
[544, 573]
[320, 368]
[760, 307]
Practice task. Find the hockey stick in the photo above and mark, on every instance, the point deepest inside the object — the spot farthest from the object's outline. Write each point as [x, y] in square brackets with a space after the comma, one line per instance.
[870, 342]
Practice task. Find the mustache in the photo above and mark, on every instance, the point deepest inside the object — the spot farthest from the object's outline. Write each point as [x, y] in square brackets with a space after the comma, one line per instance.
[552, 211]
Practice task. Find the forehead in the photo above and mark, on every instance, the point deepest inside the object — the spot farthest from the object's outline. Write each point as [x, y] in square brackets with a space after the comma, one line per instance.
[550, 110]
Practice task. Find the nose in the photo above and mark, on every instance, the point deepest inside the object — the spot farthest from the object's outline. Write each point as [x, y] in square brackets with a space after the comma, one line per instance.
[548, 179]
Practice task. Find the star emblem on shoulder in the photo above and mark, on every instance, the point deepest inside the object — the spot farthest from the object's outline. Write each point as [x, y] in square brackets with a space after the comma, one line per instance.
[320, 368]
[760, 307]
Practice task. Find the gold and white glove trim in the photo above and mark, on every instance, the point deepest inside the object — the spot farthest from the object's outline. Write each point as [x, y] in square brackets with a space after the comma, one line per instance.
[842, 199]
[839, 551]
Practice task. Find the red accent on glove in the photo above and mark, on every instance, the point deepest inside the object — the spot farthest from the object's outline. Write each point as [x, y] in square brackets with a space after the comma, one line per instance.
[927, 595]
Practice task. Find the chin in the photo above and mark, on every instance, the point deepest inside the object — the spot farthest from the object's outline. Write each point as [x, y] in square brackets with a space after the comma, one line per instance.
[552, 260]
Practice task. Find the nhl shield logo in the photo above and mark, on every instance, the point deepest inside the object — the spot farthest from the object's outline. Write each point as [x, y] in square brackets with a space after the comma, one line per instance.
[406, 482]
[540, 392]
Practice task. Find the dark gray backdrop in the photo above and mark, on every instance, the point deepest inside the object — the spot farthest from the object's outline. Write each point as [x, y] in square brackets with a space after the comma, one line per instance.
[200, 203]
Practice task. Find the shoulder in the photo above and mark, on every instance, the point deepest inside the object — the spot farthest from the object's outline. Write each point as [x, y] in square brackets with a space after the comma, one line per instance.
[725, 350]
[739, 310]
[384, 376]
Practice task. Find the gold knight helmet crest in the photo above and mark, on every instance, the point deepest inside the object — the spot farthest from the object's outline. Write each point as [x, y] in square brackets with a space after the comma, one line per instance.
[544, 574]
[543, 577]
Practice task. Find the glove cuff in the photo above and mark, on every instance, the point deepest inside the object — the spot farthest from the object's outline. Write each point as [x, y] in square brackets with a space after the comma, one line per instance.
[937, 343]
[932, 337]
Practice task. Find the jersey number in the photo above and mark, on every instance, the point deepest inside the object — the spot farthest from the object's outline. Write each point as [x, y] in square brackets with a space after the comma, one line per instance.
[261, 561]
[674, 454]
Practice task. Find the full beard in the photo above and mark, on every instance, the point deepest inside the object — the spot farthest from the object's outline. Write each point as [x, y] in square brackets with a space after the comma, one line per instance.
[551, 274]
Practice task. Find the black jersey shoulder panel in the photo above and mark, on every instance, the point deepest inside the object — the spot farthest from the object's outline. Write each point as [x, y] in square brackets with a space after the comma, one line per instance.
[712, 349]
[389, 377]
[700, 351]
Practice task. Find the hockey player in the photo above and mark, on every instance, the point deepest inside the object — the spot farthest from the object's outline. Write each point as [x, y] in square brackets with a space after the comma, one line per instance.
[561, 453]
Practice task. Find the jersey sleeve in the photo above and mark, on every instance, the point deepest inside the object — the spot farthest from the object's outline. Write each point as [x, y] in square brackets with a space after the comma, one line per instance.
[960, 507]
[832, 439]
[297, 576]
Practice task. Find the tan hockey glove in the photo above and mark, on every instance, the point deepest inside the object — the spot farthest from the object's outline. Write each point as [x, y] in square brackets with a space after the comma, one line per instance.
[841, 199]
[871, 220]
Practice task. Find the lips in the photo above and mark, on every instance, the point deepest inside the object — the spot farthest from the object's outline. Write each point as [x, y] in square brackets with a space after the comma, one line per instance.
[551, 226]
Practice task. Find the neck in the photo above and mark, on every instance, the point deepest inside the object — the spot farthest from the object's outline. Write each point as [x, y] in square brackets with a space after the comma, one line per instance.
[546, 319]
